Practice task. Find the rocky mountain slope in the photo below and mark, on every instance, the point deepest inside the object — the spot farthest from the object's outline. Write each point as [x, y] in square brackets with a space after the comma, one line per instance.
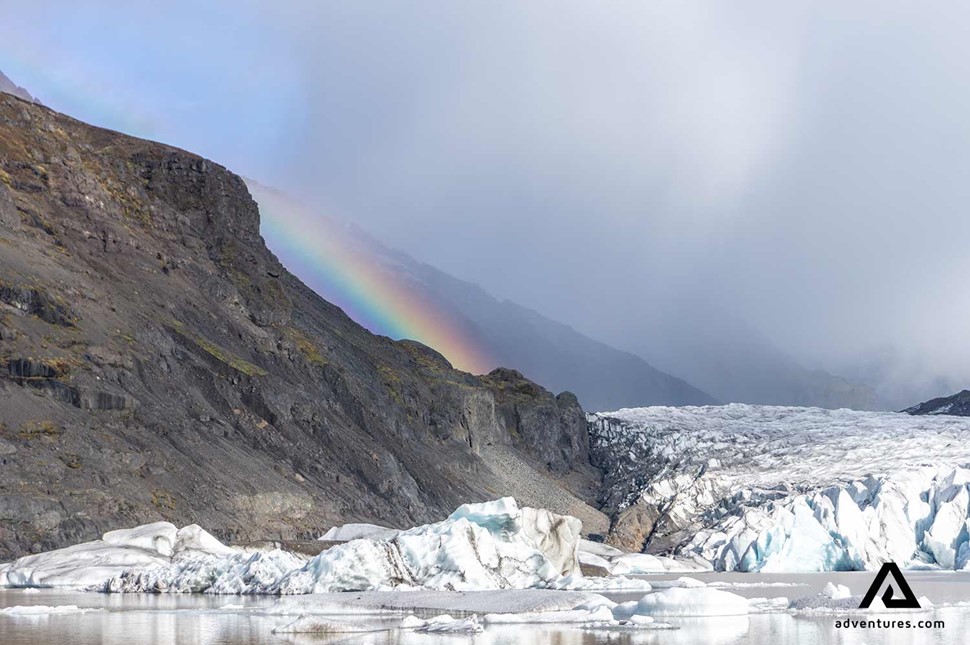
[160, 364]
[955, 405]
[549, 352]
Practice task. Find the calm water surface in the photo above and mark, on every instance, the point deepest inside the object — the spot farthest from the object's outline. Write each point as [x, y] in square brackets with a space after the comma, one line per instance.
[169, 619]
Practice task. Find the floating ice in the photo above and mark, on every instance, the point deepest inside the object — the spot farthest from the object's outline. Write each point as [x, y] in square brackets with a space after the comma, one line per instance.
[444, 624]
[680, 601]
[492, 545]
[91, 563]
[45, 610]
[326, 626]
[621, 563]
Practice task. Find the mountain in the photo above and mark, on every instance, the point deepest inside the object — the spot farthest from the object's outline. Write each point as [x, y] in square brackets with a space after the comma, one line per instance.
[549, 352]
[771, 488]
[736, 362]
[957, 405]
[8, 86]
[159, 363]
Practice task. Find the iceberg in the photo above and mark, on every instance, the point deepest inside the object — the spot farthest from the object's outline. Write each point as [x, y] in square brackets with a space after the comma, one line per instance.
[45, 610]
[444, 624]
[681, 601]
[92, 563]
[491, 545]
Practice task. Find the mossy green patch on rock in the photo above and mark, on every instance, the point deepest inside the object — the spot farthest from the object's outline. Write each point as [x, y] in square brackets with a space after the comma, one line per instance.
[40, 428]
[217, 352]
[307, 348]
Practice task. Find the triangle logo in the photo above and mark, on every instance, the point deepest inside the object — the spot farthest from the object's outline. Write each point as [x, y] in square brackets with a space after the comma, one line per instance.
[908, 599]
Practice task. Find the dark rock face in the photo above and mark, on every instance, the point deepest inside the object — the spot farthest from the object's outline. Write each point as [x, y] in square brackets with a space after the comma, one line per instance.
[957, 405]
[160, 363]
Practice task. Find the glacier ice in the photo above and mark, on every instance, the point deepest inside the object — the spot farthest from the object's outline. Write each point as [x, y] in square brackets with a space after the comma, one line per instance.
[784, 489]
[491, 545]
[91, 563]
[357, 531]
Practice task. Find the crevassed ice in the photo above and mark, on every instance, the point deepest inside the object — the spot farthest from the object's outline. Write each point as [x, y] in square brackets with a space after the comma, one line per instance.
[784, 489]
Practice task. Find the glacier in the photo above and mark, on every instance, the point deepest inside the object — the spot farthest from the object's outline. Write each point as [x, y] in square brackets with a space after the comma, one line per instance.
[788, 489]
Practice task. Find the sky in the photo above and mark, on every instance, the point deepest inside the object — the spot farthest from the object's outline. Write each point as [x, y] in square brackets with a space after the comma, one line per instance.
[638, 170]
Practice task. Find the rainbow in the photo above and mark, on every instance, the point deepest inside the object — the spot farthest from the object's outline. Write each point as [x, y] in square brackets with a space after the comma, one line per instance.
[330, 260]
[323, 253]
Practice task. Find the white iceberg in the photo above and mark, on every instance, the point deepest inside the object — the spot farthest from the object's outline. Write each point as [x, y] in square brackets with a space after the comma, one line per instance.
[92, 563]
[444, 624]
[681, 601]
[320, 626]
[45, 610]
[492, 545]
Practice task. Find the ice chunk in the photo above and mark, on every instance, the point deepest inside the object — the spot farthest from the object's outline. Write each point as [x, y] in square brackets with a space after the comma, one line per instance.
[683, 581]
[194, 538]
[45, 610]
[592, 615]
[78, 566]
[600, 549]
[679, 601]
[91, 564]
[444, 624]
[637, 563]
[494, 545]
[836, 591]
[326, 626]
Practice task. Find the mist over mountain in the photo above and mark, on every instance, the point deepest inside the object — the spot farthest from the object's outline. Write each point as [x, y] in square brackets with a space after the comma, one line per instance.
[662, 160]
[736, 362]
[505, 333]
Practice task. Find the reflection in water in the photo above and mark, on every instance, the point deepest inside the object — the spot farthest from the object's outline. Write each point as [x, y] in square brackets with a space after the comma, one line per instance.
[174, 620]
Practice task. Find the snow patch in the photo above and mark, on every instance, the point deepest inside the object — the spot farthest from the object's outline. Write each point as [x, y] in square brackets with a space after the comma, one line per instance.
[348, 532]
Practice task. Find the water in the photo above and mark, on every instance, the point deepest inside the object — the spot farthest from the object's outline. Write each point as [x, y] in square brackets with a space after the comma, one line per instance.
[176, 619]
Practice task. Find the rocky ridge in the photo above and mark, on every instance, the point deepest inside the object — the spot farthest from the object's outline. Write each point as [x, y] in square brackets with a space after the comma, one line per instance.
[955, 405]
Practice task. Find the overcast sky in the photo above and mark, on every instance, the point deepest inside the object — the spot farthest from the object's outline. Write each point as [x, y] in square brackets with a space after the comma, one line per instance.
[802, 166]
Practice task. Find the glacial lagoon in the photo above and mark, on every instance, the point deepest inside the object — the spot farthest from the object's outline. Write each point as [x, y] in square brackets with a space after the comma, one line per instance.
[131, 619]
